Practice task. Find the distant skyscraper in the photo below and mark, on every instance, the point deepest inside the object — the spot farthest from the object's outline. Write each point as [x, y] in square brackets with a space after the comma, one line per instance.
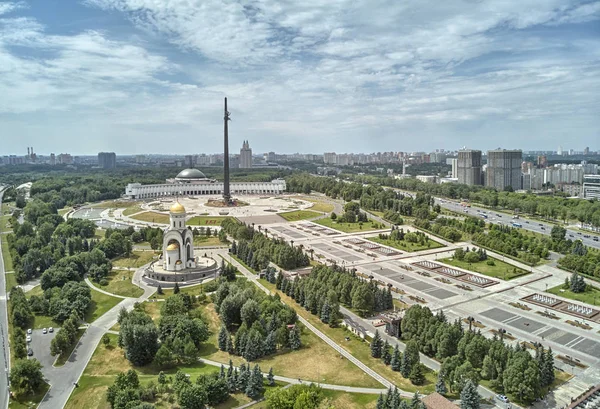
[504, 169]
[246, 156]
[107, 160]
[52, 159]
[469, 167]
[586, 151]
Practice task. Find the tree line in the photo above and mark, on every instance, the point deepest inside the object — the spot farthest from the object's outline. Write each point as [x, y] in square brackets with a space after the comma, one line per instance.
[257, 250]
[254, 324]
[322, 291]
[468, 355]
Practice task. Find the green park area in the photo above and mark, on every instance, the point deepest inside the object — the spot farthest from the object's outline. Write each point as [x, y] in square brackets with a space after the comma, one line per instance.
[406, 245]
[357, 347]
[319, 205]
[491, 267]
[119, 282]
[299, 215]
[152, 217]
[63, 357]
[340, 399]
[99, 305]
[591, 295]
[8, 265]
[137, 259]
[206, 220]
[115, 204]
[132, 210]
[203, 241]
[349, 227]
[29, 401]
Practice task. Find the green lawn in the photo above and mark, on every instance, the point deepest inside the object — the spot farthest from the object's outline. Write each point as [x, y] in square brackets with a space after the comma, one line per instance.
[62, 358]
[590, 296]
[119, 283]
[152, 217]
[348, 227]
[4, 223]
[191, 290]
[137, 259]
[114, 204]
[132, 210]
[406, 245]
[29, 401]
[8, 265]
[100, 304]
[64, 210]
[11, 281]
[206, 220]
[500, 270]
[203, 241]
[299, 215]
[359, 348]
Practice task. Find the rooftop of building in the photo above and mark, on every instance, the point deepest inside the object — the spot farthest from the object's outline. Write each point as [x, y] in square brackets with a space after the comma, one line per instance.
[437, 401]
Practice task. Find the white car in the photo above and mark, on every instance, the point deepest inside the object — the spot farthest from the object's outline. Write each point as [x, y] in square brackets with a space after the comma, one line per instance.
[29, 331]
[51, 329]
[502, 398]
[28, 338]
[44, 331]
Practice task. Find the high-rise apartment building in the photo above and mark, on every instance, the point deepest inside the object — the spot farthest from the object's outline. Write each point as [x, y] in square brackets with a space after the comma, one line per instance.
[107, 160]
[591, 187]
[504, 169]
[246, 156]
[469, 167]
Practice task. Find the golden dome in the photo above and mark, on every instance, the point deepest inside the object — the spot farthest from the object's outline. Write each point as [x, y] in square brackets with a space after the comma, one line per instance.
[177, 208]
[173, 246]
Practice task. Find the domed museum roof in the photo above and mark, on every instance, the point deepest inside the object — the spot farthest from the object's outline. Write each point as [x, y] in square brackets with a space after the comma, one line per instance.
[187, 174]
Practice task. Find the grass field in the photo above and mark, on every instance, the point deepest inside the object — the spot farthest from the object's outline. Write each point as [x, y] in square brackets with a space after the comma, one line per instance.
[119, 283]
[203, 241]
[132, 210]
[315, 361]
[30, 401]
[206, 221]
[136, 259]
[191, 290]
[590, 296]
[501, 270]
[64, 210]
[11, 281]
[152, 217]
[358, 348]
[4, 223]
[100, 304]
[323, 207]
[8, 265]
[348, 227]
[299, 215]
[62, 358]
[406, 245]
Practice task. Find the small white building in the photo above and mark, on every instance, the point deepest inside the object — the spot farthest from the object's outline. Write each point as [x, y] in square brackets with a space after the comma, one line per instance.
[178, 242]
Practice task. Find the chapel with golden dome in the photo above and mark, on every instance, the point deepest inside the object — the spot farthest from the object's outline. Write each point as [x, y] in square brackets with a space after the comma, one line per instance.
[178, 241]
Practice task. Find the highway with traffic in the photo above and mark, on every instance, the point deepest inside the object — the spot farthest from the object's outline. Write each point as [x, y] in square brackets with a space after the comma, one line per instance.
[536, 226]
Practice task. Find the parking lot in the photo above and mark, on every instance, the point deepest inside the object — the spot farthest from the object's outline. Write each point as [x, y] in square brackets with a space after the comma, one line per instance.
[40, 343]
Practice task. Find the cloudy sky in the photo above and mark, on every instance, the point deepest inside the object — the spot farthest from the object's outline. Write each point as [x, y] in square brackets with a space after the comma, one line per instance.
[142, 76]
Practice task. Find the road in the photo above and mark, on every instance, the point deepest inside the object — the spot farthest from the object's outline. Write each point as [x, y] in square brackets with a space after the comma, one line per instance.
[527, 224]
[62, 379]
[5, 356]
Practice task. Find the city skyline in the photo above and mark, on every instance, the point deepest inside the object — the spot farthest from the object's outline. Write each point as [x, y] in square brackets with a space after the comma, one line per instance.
[123, 75]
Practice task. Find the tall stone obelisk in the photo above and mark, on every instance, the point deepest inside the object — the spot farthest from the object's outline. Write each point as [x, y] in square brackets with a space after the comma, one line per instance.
[226, 194]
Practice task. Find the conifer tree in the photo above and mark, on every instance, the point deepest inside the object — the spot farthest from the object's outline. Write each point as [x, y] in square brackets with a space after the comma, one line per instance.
[396, 359]
[223, 338]
[376, 345]
[386, 356]
[294, 339]
[440, 386]
[469, 398]
[271, 377]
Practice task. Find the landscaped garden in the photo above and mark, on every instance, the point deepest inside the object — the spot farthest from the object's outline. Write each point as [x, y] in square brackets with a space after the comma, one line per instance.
[152, 217]
[480, 262]
[299, 215]
[346, 227]
[119, 282]
[591, 294]
[99, 305]
[206, 220]
[406, 241]
[136, 259]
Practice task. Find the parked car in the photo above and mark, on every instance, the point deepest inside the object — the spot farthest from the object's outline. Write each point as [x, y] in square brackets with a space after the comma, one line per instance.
[44, 331]
[28, 338]
[502, 398]
[30, 352]
[50, 329]
[543, 228]
[570, 235]
[595, 238]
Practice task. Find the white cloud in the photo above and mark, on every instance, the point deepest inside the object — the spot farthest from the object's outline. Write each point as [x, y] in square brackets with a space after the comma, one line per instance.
[314, 72]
